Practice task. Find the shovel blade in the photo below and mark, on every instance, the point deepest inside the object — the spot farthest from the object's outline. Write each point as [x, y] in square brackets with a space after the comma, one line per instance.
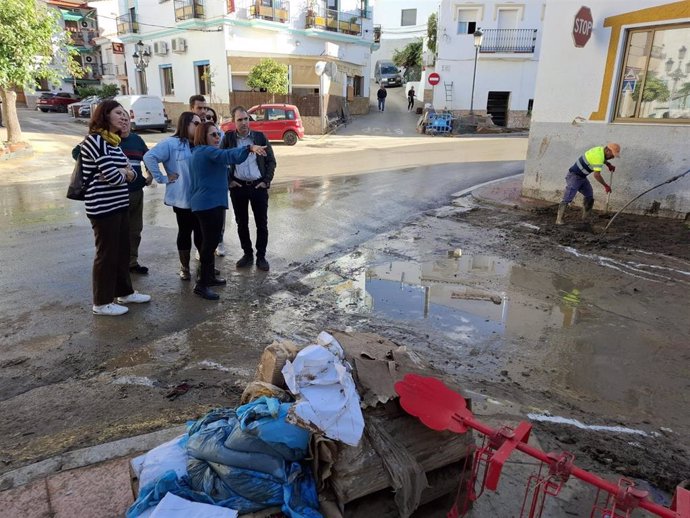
[436, 405]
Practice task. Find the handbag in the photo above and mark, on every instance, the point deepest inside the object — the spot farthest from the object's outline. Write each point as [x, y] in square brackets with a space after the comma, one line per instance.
[77, 187]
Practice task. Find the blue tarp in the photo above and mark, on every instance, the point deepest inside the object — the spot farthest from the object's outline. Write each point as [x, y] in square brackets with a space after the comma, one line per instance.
[244, 459]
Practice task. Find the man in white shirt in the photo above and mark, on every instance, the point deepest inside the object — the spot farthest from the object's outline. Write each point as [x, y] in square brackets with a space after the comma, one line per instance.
[249, 185]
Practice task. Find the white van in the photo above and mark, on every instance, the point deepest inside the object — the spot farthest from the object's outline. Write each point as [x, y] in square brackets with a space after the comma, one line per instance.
[145, 111]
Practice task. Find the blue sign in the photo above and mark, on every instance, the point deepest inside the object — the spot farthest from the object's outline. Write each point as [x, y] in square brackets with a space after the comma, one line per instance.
[629, 85]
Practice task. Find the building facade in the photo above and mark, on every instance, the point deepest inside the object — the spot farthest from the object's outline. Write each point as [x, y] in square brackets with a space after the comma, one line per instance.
[506, 62]
[401, 22]
[629, 82]
[208, 47]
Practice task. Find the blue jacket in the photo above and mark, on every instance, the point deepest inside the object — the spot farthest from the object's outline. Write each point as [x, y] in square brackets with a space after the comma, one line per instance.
[208, 169]
[174, 153]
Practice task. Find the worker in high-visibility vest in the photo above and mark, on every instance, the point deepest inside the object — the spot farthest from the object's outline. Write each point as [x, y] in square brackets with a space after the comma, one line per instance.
[576, 180]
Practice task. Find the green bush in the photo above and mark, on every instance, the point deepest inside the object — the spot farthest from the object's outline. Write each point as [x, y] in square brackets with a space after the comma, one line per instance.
[104, 91]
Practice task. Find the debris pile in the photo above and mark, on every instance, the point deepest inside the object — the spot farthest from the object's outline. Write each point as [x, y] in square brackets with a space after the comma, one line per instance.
[319, 433]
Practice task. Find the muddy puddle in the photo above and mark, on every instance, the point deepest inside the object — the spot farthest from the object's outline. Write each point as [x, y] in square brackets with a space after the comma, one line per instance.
[466, 297]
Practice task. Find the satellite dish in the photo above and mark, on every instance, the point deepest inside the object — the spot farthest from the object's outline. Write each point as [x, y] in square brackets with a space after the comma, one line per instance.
[320, 68]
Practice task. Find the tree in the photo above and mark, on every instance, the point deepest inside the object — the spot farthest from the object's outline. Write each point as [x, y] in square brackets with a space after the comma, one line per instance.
[410, 58]
[33, 46]
[269, 75]
[431, 28]
[654, 89]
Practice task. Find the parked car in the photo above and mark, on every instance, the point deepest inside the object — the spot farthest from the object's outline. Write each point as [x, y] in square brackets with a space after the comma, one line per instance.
[145, 111]
[55, 102]
[83, 107]
[276, 121]
[386, 73]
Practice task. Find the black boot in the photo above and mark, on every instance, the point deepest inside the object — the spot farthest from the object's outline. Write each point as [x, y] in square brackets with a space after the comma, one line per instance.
[205, 293]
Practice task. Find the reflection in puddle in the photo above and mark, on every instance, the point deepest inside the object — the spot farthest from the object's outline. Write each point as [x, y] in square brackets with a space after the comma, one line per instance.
[464, 297]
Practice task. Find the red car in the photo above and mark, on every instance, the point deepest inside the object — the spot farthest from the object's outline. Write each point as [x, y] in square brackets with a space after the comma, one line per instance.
[276, 121]
[49, 102]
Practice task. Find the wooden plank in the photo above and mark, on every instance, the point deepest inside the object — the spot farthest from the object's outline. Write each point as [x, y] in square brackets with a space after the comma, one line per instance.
[359, 470]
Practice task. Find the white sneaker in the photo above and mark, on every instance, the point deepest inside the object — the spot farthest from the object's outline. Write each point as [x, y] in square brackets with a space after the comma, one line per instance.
[110, 310]
[135, 297]
[220, 251]
[198, 256]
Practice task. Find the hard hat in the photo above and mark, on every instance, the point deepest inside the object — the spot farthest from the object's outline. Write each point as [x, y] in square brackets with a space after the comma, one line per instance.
[614, 148]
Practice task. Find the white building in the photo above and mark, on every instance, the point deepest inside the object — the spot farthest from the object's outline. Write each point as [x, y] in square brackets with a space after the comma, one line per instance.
[590, 95]
[401, 22]
[506, 63]
[209, 46]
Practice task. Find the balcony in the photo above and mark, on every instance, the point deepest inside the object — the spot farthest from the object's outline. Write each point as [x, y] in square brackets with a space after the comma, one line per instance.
[271, 10]
[509, 41]
[335, 21]
[127, 24]
[188, 9]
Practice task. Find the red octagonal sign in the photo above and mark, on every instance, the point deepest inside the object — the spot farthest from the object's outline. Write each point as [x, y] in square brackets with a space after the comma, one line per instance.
[582, 26]
[434, 79]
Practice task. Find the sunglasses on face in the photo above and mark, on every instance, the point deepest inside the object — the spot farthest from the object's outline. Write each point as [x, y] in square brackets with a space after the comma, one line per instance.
[214, 134]
[243, 119]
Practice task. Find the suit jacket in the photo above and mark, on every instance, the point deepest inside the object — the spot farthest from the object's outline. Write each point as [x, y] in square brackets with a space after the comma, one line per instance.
[267, 164]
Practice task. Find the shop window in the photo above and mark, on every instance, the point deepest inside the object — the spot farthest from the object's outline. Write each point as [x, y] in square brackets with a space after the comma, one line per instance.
[167, 83]
[654, 83]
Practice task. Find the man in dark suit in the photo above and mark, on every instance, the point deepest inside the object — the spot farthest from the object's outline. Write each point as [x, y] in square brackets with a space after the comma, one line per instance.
[249, 185]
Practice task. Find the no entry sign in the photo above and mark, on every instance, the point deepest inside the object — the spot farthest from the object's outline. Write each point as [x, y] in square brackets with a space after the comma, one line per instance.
[434, 79]
[582, 26]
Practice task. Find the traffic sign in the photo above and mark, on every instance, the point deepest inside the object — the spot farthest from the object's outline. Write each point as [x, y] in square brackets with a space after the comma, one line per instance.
[582, 26]
[434, 79]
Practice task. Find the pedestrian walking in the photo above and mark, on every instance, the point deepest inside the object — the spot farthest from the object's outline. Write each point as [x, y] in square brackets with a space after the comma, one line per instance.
[249, 185]
[576, 180]
[208, 170]
[381, 96]
[107, 173]
[410, 98]
[174, 153]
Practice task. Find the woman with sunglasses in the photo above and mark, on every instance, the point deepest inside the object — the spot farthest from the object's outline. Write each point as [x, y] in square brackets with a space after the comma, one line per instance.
[208, 169]
[174, 153]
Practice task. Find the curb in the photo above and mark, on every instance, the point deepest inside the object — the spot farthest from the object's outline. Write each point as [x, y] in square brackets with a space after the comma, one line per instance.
[87, 456]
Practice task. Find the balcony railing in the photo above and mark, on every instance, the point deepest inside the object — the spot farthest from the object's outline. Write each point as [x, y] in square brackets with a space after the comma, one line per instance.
[512, 41]
[272, 10]
[127, 24]
[188, 9]
[319, 17]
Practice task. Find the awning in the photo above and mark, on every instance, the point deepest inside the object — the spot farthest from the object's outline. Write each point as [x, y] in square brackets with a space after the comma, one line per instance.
[70, 16]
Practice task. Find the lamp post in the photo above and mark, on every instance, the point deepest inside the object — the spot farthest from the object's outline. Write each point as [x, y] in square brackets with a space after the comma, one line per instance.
[677, 74]
[141, 59]
[478, 37]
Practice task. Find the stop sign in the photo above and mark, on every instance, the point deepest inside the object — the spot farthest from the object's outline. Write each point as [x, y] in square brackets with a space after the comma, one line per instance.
[434, 79]
[582, 26]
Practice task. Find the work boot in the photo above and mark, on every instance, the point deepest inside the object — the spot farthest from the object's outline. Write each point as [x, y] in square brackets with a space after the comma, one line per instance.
[561, 213]
[587, 210]
[185, 256]
[245, 261]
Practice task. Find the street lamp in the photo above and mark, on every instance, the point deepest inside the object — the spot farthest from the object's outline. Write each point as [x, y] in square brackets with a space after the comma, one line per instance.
[478, 37]
[141, 59]
[677, 74]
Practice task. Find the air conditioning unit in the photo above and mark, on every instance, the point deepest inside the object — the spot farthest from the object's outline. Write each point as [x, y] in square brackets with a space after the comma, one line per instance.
[179, 45]
[160, 48]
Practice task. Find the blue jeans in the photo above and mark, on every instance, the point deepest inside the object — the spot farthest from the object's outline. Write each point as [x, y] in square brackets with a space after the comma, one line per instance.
[575, 183]
[382, 103]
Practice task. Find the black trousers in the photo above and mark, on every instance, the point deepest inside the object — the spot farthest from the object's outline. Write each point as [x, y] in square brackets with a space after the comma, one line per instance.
[242, 197]
[187, 225]
[410, 103]
[210, 222]
[110, 275]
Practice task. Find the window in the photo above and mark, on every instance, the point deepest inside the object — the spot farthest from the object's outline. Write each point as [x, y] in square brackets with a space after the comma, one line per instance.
[202, 74]
[167, 83]
[408, 17]
[530, 106]
[654, 83]
[258, 115]
[467, 21]
[275, 114]
[358, 85]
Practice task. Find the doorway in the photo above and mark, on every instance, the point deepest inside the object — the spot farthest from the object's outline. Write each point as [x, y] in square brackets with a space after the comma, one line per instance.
[497, 107]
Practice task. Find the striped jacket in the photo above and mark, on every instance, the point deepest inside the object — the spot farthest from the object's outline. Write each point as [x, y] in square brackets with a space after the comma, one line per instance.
[107, 191]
